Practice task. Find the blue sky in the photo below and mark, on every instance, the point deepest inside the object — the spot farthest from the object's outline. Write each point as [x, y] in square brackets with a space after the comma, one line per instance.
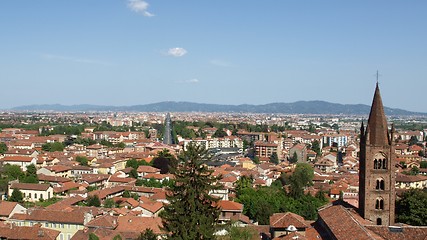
[121, 52]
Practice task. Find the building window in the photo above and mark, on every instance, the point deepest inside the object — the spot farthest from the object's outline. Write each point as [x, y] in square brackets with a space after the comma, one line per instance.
[35, 195]
[380, 184]
[379, 204]
[29, 195]
[379, 221]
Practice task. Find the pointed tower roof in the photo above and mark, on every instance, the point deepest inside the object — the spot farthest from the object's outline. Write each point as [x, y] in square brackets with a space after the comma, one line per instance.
[377, 131]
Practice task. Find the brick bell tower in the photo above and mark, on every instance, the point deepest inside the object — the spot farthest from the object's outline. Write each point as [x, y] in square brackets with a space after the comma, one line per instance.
[376, 167]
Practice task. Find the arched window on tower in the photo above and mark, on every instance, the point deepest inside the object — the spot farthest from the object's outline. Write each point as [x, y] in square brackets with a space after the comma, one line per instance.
[380, 161]
[380, 184]
[379, 204]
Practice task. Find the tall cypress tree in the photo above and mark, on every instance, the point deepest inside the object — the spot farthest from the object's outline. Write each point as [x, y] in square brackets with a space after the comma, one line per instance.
[192, 212]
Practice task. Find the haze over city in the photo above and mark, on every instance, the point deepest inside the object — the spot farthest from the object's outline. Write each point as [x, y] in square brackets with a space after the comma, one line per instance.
[225, 52]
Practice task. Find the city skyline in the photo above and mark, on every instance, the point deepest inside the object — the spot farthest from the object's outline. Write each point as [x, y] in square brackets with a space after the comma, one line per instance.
[140, 52]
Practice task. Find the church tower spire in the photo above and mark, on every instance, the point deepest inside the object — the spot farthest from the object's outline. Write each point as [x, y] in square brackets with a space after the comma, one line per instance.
[377, 132]
[376, 167]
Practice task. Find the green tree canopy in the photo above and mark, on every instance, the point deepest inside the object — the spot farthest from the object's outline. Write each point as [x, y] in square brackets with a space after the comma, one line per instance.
[82, 160]
[294, 158]
[412, 208]
[301, 178]
[16, 196]
[133, 163]
[92, 236]
[31, 170]
[3, 147]
[109, 203]
[165, 161]
[242, 183]
[274, 158]
[260, 203]
[12, 172]
[53, 147]
[93, 201]
[148, 234]
[192, 212]
[413, 141]
[240, 233]
[315, 146]
[219, 133]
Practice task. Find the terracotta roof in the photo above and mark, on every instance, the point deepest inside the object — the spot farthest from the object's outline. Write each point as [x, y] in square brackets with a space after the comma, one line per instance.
[410, 178]
[16, 159]
[106, 192]
[241, 217]
[230, 206]
[67, 202]
[291, 236]
[104, 221]
[152, 207]
[284, 220]
[139, 224]
[147, 169]
[56, 179]
[54, 216]
[6, 208]
[342, 224]
[58, 168]
[30, 186]
[399, 232]
[10, 231]
[159, 195]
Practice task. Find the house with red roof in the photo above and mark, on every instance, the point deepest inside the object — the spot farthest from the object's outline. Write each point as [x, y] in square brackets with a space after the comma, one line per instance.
[282, 224]
[22, 161]
[7, 209]
[32, 191]
[229, 209]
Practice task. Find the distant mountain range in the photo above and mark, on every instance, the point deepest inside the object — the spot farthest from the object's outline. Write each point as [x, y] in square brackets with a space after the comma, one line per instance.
[300, 107]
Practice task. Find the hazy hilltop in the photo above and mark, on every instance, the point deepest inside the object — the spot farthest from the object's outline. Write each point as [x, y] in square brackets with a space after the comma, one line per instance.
[300, 107]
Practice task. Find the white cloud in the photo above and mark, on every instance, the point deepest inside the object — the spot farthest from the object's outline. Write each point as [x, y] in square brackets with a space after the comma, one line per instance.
[220, 63]
[194, 80]
[176, 52]
[73, 59]
[140, 6]
[190, 81]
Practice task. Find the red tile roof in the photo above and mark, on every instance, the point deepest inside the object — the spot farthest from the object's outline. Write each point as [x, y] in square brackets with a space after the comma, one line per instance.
[10, 231]
[139, 224]
[284, 220]
[230, 206]
[30, 186]
[6, 208]
[342, 224]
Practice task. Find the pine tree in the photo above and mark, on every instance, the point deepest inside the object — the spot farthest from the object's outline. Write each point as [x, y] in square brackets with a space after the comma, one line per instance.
[192, 212]
[16, 196]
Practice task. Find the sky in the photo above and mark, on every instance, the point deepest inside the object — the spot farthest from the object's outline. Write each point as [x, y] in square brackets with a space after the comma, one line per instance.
[130, 52]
